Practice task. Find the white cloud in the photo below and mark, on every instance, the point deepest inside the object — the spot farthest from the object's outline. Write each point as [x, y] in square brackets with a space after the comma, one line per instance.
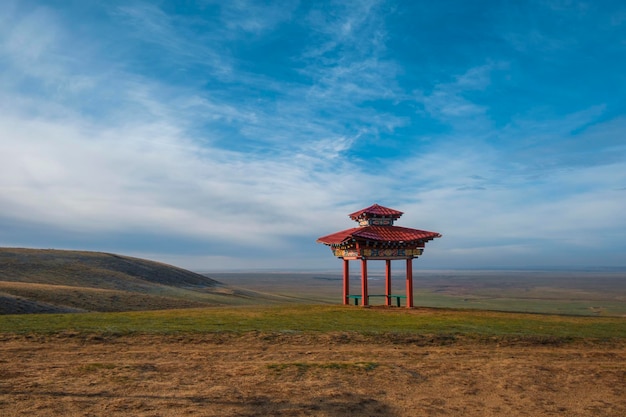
[149, 176]
[567, 211]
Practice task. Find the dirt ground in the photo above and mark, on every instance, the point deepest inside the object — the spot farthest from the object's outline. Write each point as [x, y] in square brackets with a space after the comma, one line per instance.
[308, 375]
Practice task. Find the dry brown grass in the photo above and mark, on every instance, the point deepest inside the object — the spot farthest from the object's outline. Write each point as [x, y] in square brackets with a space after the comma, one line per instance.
[333, 374]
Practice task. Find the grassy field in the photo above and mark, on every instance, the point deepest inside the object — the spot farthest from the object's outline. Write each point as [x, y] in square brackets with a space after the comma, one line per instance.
[312, 360]
[318, 318]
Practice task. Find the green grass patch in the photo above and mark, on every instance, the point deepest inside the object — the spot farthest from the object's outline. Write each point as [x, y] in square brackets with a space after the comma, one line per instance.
[319, 318]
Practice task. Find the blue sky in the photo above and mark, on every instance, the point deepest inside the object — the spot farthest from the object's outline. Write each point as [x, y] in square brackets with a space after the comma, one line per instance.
[222, 135]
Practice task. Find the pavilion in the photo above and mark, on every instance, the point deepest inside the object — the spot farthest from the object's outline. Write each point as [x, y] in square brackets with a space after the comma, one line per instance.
[376, 238]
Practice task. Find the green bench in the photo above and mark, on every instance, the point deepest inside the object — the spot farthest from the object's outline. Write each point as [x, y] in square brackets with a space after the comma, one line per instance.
[357, 298]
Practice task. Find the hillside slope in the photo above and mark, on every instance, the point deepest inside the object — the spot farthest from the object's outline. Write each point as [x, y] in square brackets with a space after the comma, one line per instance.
[60, 281]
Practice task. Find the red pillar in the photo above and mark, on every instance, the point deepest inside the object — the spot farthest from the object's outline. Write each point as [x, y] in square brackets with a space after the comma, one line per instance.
[346, 281]
[364, 300]
[388, 282]
[409, 282]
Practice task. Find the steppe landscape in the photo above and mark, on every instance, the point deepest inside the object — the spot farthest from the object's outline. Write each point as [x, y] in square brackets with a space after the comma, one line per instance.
[213, 348]
[195, 193]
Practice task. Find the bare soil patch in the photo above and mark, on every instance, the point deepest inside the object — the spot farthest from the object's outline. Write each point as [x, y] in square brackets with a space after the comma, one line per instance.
[339, 374]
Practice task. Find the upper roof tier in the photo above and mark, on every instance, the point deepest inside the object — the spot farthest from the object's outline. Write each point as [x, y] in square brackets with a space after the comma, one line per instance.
[376, 211]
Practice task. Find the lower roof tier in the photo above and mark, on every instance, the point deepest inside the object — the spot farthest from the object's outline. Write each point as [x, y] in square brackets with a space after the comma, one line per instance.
[386, 234]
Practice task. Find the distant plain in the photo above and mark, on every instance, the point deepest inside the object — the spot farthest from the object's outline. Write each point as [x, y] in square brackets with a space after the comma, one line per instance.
[587, 293]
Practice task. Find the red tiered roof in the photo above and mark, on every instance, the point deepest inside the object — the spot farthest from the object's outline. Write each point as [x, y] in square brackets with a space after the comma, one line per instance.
[371, 233]
[376, 211]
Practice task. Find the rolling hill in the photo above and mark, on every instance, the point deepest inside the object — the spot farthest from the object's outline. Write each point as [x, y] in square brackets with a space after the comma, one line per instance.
[60, 281]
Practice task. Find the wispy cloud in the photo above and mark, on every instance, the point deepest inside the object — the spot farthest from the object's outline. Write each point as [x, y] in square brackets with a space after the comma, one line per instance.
[348, 64]
[255, 17]
[457, 103]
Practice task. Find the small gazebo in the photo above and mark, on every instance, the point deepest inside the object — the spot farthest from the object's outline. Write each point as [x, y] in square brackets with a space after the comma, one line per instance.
[376, 238]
